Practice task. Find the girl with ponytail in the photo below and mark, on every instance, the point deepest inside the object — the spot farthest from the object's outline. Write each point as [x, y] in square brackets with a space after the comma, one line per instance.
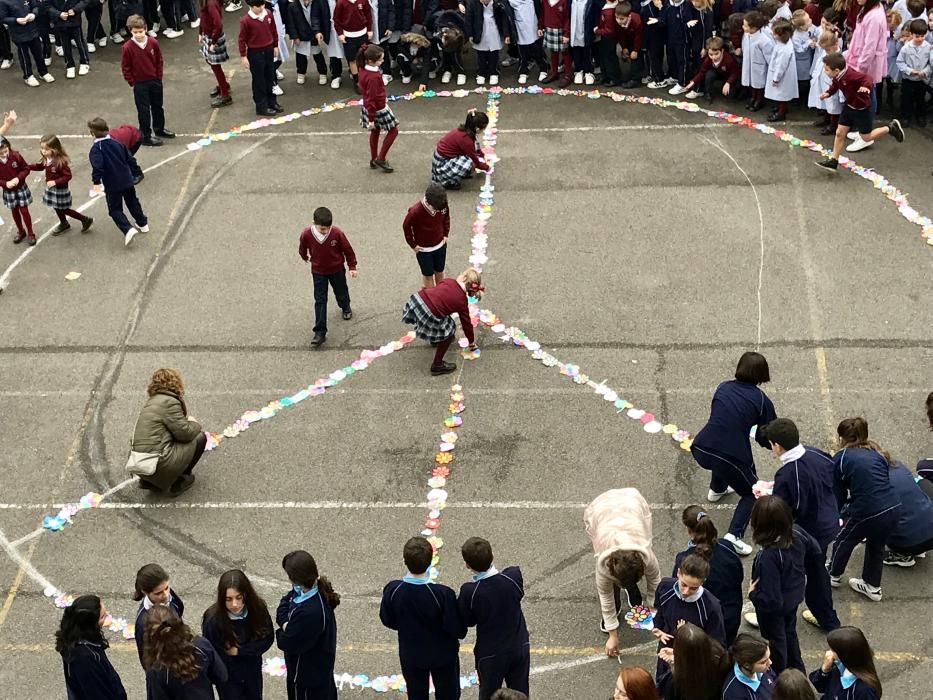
[89, 675]
[458, 154]
[750, 676]
[848, 668]
[179, 666]
[725, 567]
[375, 113]
[307, 629]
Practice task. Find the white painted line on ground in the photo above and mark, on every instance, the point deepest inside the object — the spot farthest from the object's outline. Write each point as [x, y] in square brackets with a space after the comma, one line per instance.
[19, 559]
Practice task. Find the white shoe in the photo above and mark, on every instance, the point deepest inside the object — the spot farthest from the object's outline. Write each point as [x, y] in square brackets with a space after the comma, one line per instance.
[59, 51]
[184, 18]
[279, 75]
[277, 90]
[835, 581]
[32, 82]
[47, 62]
[153, 33]
[713, 496]
[752, 619]
[740, 547]
[322, 80]
[542, 76]
[144, 229]
[852, 135]
[156, 27]
[173, 33]
[480, 80]
[234, 6]
[84, 69]
[406, 79]
[677, 90]
[670, 82]
[578, 78]
[461, 78]
[386, 78]
[692, 95]
[859, 145]
[645, 80]
[446, 76]
[810, 617]
[589, 79]
[49, 78]
[6, 63]
[91, 48]
[432, 74]
[128, 238]
[301, 79]
[508, 61]
[70, 72]
[102, 42]
[656, 85]
[117, 38]
[196, 23]
[870, 592]
[493, 79]
[335, 83]
[522, 79]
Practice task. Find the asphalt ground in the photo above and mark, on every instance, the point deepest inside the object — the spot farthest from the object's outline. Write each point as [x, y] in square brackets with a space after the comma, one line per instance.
[649, 246]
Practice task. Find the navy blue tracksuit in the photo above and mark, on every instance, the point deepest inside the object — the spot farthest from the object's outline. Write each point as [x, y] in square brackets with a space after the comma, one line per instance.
[244, 670]
[869, 509]
[819, 592]
[781, 577]
[674, 18]
[704, 612]
[723, 447]
[913, 533]
[162, 685]
[110, 166]
[734, 689]
[429, 628]
[829, 685]
[309, 643]
[726, 574]
[89, 675]
[494, 605]
[653, 39]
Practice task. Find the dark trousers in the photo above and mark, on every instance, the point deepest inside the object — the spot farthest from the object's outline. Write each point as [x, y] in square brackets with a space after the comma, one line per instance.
[246, 688]
[678, 61]
[151, 12]
[781, 632]
[134, 166]
[27, 52]
[634, 597]
[874, 529]
[45, 28]
[301, 63]
[712, 84]
[529, 53]
[819, 592]
[148, 97]
[726, 472]
[912, 107]
[582, 58]
[446, 681]
[115, 202]
[200, 444]
[65, 35]
[916, 549]
[338, 281]
[262, 71]
[509, 667]
[731, 620]
[6, 50]
[487, 63]
[656, 61]
[609, 61]
[636, 68]
[94, 12]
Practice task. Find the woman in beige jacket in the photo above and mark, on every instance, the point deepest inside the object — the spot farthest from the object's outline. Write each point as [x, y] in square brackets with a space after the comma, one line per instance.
[619, 525]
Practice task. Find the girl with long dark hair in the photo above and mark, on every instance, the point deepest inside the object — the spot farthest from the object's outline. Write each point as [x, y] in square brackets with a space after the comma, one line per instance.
[793, 685]
[698, 665]
[239, 627]
[848, 668]
[152, 589]
[457, 154]
[89, 675]
[179, 666]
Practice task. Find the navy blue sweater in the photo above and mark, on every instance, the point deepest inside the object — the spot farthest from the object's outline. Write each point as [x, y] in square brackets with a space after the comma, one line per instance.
[737, 407]
[89, 675]
[427, 620]
[862, 482]
[806, 484]
[162, 685]
[915, 524]
[247, 662]
[10, 10]
[110, 165]
[705, 612]
[726, 574]
[309, 642]
[830, 687]
[781, 577]
[176, 604]
[494, 606]
[734, 689]
[674, 18]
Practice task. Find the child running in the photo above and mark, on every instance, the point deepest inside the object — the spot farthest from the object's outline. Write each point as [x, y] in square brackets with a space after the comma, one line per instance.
[110, 171]
[57, 176]
[16, 194]
[457, 154]
[375, 114]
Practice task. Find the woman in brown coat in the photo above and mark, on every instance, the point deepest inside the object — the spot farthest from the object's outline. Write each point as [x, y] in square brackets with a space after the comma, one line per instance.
[164, 427]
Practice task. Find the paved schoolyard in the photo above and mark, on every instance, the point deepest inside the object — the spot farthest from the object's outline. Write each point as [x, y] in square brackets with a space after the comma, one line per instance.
[648, 246]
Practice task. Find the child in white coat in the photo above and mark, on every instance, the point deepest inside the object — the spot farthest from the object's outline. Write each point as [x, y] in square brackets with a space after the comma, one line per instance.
[804, 39]
[530, 48]
[831, 107]
[782, 71]
[756, 53]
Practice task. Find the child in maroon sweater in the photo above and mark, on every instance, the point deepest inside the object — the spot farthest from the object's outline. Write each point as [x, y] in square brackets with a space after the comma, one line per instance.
[259, 48]
[326, 247]
[214, 49]
[16, 195]
[353, 22]
[608, 35]
[57, 176]
[375, 113]
[457, 154]
[430, 309]
[426, 227]
[141, 62]
[630, 39]
[554, 22]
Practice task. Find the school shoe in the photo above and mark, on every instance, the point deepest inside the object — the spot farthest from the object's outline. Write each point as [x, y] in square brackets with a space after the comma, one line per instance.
[300, 79]
[751, 618]
[128, 238]
[453, 186]
[347, 315]
[49, 78]
[828, 129]
[173, 33]
[31, 81]
[776, 117]
[154, 33]
[88, 222]
[117, 38]
[91, 47]
[215, 92]
[740, 547]
[59, 51]
[870, 592]
[406, 79]
[461, 79]
[165, 134]
[493, 79]
[102, 42]
[19, 237]
[830, 164]
[859, 145]
[852, 135]
[318, 339]
[656, 84]
[446, 76]
[147, 485]
[84, 69]
[713, 496]
[589, 78]
[758, 104]
[267, 112]
[895, 559]
[31, 239]
[234, 6]
[221, 101]
[322, 80]
[61, 228]
[508, 61]
[480, 80]
[693, 94]
[835, 581]
[896, 130]
[677, 90]
[810, 617]
[335, 83]
[155, 27]
[182, 484]
[564, 82]
[196, 23]
[276, 90]
[151, 141]
[443, 368]
[578, 78]
[70, 73]
[383, 165]
[5, 64]
[144, 228]
[279, 75]
[670, 82]
[548, 78]
[277, 108]
[522, 79]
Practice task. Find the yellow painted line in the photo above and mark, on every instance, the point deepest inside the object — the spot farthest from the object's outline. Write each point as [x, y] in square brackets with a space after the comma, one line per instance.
[15, 586]
[823, 374]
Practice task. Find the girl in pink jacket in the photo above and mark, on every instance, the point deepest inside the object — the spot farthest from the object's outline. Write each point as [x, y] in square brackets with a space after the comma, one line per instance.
[868, 48]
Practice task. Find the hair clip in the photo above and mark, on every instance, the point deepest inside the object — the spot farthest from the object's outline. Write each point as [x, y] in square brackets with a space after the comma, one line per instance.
[701, 514]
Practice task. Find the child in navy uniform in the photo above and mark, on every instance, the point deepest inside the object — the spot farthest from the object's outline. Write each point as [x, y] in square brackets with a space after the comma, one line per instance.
[750, 677]
[179, 666]
[110, 169]
[848, 668]
[913, 533]
[492, 602]
[327, 249]
[307, 633]
[653, 36]
[427, 619]
[674, 19]
[89, 675]
[152, 589]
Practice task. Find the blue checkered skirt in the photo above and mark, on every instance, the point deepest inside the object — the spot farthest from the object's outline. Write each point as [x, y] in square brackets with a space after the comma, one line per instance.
[385, 119]
[20, 197]
[219, 54]
[450, 171]
[427, 326]
[58, 197]
[552, 40]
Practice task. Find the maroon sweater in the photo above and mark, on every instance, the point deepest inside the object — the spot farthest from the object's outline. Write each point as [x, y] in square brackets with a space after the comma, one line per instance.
[212, 21]
[326, 258]
[257, 33]
[141, 64]
[352, 16]
[127, 134]
[849, 81]
[15, 167]
[607, 26]
[459, 143]
[424, 229]
[60, 174]
[449, 298]
[373, 91]
[555, 16]
[727, 68]
[631, 36]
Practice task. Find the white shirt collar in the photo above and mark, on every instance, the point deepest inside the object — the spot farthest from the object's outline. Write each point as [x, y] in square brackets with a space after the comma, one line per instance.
[260, 16]
[321, 237]
[102, 138]
[793, 454]
[374, 69]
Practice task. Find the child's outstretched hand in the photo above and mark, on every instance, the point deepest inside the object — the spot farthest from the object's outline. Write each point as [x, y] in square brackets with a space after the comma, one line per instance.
[353, 274]
[662, 636]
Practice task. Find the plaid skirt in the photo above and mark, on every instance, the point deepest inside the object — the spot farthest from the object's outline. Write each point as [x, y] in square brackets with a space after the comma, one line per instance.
[219, 54]
[385, 119]
[58, 197]
[450, 171]
[552, 40]
[20, 197]
[427, 326]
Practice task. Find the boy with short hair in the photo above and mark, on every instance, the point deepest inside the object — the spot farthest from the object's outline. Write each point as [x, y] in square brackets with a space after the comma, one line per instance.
[630, 40]
[426, 227]
[717, 73]
[913, 62]
[110, 169]
[259, 47]
[492, 602]
[428, 623]
[132, 138]
[327, 249]
[856, 114]
[142, 65]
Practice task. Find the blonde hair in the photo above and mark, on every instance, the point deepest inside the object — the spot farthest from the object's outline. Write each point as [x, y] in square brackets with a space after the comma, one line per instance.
[59, 154]
[473, 282]
[799, 19]
[894, 18]
[703, 4]
[166, 380]
[828, 39]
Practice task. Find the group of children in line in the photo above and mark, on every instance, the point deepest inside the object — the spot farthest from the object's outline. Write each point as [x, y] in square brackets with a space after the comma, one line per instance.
[238, 628]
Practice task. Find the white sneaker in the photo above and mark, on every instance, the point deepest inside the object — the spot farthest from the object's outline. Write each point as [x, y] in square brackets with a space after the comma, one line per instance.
[6, 63]
[810, 617]
[859, 144]
[670, 82]
[70, 72]
[692, 95]
[234, 5]
[432, 74]
[493, 79]
[752, 619]
[335, 83]
[144, 229]
[656, 85]
[522, 79]
[184, 18]
[49, 78]
[102, 42]
[480, 80]
[32, 82]
[84, 69]
[740, 547]
[386, 78]
[852, 135]
[277, 90]
[153, 33]
[59, 51]
[173, 33]
[279, 75]
[117, 38]
[156, 27]
[446, 76]
[91, 48]
[301, 79]
[835, 581]
[542, 76]
[128, 238]
[589, 79]
[645, 80]
[870, 592]
[578, 78]
[461, 78]
[713, 496]
[677, 90]
[406, 79]
[196, 23]
[322, 79]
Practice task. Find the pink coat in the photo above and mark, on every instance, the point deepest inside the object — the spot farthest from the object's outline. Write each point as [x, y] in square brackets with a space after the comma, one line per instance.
[868, 50]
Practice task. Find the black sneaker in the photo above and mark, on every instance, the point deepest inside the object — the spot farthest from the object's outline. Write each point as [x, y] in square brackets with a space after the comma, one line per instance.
[775, 117]
[215, 92]
[318, 339]
[277, 108]
[384, 166]
[166, 134]
[152, 141]
[443, 368]
[221, 101]
[267, 112]
[147, 485]
[896, 130]
[830, 164]
[895, 559]
[372, 164]
[828, 129]
[182, 484]
[86, 224]
[61, 228]
[19, 237]
[31, 239]
[348, 314]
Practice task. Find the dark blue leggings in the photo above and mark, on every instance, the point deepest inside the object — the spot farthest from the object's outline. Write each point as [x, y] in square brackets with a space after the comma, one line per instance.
[727, 472]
